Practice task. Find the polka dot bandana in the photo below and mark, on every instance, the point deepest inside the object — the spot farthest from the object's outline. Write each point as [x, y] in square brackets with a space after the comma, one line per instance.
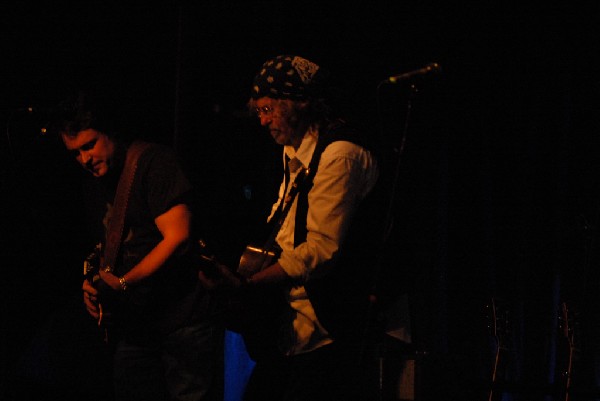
[287, 77]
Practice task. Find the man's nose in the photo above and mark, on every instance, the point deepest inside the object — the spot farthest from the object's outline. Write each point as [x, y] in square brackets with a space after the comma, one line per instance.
[84, 156]
[265, 119]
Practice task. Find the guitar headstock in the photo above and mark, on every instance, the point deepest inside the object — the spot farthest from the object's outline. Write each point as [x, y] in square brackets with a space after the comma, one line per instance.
[567, 321]
[499, 322]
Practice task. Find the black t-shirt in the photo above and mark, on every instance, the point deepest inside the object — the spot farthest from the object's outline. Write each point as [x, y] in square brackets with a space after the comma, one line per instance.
[172, 296]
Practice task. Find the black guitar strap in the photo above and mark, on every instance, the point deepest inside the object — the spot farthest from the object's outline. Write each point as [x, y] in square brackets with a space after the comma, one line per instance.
[300, 181]
[332, 134]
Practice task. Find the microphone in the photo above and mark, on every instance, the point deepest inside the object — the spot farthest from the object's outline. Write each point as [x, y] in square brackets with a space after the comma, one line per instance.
[430, 68]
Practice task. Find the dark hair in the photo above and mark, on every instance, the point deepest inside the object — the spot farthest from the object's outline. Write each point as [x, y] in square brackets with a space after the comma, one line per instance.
[83, 110]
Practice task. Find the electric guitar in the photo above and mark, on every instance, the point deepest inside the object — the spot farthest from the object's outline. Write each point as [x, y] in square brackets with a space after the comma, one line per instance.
[91, 273]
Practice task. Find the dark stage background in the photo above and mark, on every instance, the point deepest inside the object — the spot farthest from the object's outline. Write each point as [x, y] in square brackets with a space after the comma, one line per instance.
[497, 197]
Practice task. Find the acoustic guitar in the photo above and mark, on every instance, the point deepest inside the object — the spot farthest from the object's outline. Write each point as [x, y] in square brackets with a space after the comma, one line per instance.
[253, 312]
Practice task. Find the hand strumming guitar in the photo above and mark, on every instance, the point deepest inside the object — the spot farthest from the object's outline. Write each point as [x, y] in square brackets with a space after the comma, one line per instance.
[220, 277]
[90, 299]
[90, 292]
[114, 282]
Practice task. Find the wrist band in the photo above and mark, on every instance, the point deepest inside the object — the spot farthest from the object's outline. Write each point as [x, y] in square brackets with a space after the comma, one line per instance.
[123, 283]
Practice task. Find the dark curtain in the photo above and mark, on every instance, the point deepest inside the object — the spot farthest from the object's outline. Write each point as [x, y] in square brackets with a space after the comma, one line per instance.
[496, 214]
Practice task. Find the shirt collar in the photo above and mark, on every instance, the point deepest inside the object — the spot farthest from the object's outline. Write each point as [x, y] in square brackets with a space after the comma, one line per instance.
[306, 149]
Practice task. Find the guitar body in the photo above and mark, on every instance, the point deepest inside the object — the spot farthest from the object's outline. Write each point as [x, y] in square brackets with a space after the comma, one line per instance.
[256, 313]
[253, 260]
[91, 272]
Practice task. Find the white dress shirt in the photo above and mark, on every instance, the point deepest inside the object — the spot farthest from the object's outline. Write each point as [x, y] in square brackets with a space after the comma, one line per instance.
[346, 173]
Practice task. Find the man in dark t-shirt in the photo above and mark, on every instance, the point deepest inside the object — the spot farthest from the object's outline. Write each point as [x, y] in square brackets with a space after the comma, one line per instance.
[155, 310]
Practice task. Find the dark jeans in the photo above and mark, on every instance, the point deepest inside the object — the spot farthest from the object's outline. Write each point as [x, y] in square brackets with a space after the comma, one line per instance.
[184, 366]
[330, 373]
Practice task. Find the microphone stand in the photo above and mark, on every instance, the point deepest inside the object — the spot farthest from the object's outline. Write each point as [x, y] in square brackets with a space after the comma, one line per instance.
[387, 227]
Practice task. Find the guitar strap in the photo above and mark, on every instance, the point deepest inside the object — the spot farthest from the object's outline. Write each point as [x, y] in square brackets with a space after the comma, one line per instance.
[260, 256]
[301, 186]
[302, 177]
[115, 226]
[331, 135]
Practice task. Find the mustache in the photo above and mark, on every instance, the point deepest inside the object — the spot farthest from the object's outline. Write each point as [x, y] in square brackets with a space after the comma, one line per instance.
[89, 165]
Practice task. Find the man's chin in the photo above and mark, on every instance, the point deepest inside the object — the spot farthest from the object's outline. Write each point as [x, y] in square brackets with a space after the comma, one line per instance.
[279, 139]
[98, 172]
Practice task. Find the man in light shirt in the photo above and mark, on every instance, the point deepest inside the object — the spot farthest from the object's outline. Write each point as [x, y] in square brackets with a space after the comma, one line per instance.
[319, 333]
